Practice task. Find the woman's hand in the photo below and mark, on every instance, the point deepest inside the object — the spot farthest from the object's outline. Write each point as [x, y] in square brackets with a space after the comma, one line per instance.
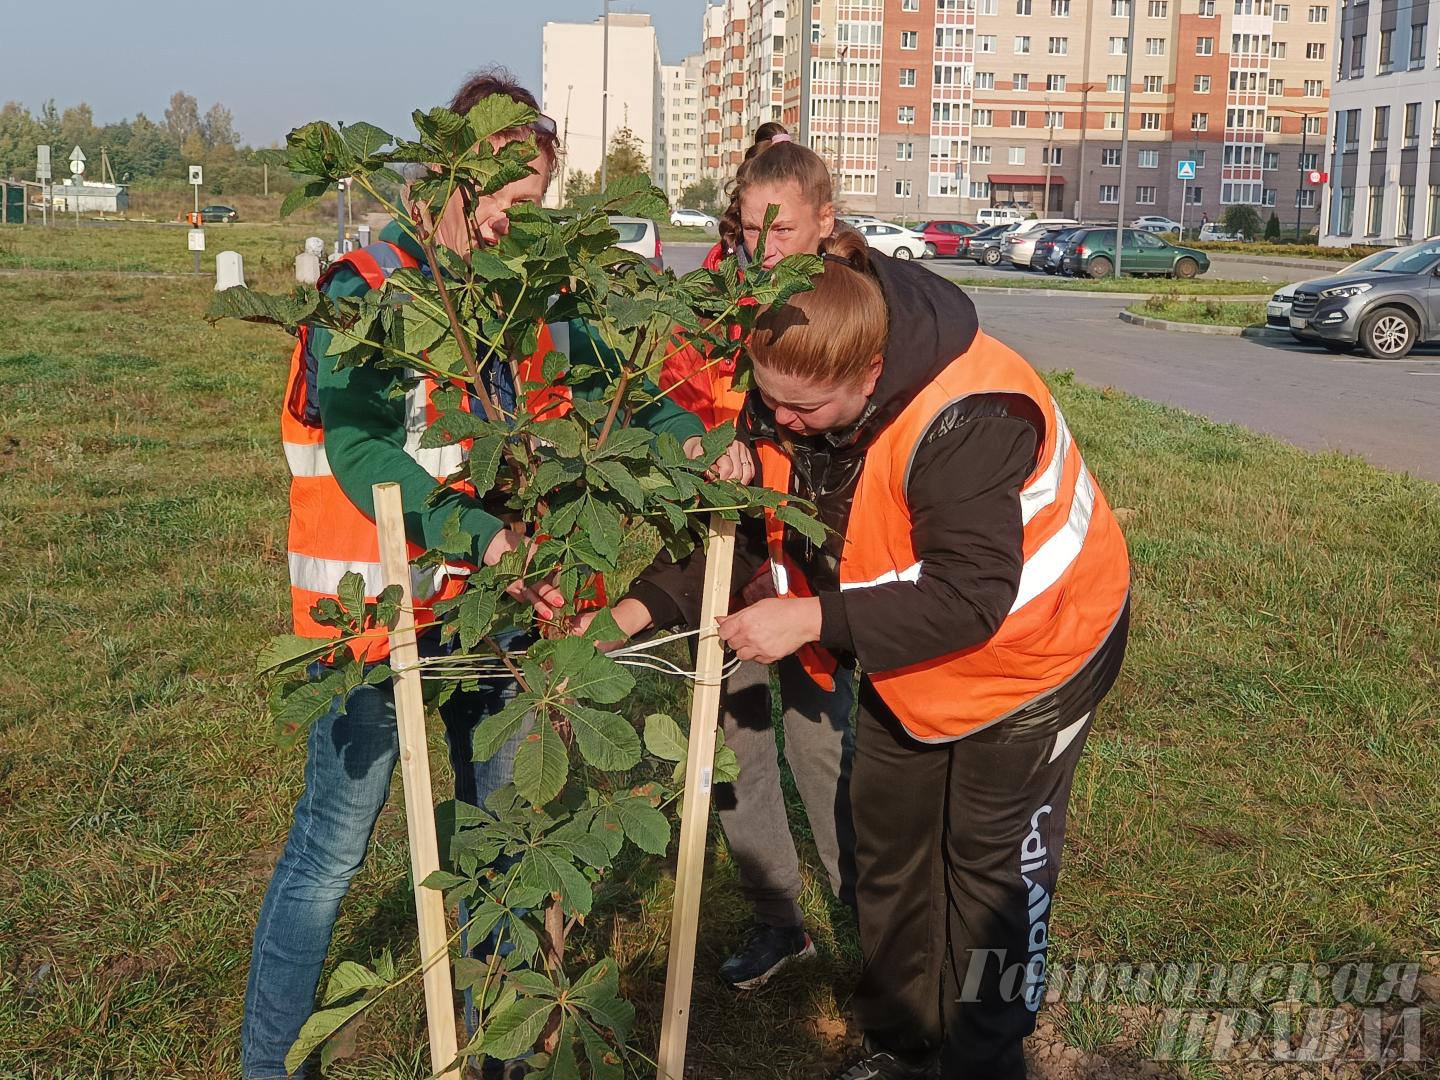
[543, 596]
[630, 615]
[735, 464]
[767, 630]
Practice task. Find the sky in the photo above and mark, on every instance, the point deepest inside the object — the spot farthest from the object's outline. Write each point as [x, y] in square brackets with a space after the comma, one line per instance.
[276, 65]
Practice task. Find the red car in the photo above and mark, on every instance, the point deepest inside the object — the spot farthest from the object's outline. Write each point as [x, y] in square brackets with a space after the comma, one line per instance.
[943, 237]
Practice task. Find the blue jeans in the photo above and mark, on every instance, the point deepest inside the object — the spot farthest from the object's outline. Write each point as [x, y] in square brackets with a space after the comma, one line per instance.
[351, 759]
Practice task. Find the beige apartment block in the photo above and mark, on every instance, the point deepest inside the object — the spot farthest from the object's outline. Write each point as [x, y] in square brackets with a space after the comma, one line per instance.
[678, 159]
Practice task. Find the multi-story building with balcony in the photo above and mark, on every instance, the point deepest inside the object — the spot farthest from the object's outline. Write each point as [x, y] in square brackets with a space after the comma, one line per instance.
[1384, 153]
[677, 161]
[938, 107]
[725, 128]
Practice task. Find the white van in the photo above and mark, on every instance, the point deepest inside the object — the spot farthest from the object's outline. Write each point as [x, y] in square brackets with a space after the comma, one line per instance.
[998, 215]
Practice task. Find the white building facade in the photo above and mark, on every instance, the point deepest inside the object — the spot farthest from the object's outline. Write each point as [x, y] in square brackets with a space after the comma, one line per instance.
[677, 164]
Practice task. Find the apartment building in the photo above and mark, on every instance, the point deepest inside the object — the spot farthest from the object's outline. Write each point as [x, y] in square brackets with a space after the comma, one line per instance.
[572, 88]
[678, 160]
[939, 107]
[1384, 155]
[726, 128]
[764, 62]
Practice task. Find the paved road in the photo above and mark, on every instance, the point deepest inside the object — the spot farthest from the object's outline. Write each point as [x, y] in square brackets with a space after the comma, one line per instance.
[1387, 412]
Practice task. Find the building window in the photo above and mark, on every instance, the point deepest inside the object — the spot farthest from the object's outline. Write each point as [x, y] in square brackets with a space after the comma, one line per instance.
[1309, 160]
[1158, 9]
[905, 114]
[1155, 46]
[910, 5]
[984, 80]
[1272, 125]
[1347, 211]
[1244, 193]
[1374, 211]
[979, 154]
[1202, 84]
[1109, 193]
[1204, 46]
[1314, 87]
[1196, 194]
[1059, 46]
[1055, 83]
[1282, 12]
[1207, 9]
[1110, 156]
[1149, 121]
[1275, 87]
[1271, 161]
[979, 189]
[905, 151]
[1052, 155]
[985, 7]
[1435, 128]
[1432, 214]
[1145, 195]
[1412, 126]
[1277, 50]
[984, 118]
[1199, 121]
[1120, 9]
[1417, 46]
[1019, 118]
[1022, 7]
[1117, 47]
[909, 39]
[1315, 50]
[1115, 84]
[1312, 125]
[907, 76]
[1382, 127]
[1405, 211]
[1319, 13]
[1060, 9]
[1017, 155]
[1357, 56]
[1054, 118]
[984, 43]
[1113, 121]
[1147, 159]
[1021, 81]
[1305, 199]
[902, 188]
[1384, 64]
[1199, 156]
[1022, 44]
[1267, 197]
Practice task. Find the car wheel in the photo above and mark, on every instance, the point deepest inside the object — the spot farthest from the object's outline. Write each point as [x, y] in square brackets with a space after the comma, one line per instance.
[1186, 268]
[1388, 334]
[991, 257]
[903, 253]
[1100, 267]
[930, 251]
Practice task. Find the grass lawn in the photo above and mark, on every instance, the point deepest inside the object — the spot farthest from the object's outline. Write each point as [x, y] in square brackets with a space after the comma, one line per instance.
[1208, 312]
[1184, 287]
[137, 246]
[1262, 785]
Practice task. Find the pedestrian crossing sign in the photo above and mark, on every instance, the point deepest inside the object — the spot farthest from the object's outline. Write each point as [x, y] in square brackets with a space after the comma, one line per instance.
[1185, 170]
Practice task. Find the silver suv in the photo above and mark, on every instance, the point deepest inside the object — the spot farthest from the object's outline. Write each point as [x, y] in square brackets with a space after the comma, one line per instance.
[1387, 310]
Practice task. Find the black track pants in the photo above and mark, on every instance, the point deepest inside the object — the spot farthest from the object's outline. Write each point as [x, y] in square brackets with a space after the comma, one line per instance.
[957, 855]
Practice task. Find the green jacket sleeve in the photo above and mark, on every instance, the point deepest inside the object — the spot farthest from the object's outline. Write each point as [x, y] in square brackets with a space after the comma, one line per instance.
[365, 442]
[659, 416]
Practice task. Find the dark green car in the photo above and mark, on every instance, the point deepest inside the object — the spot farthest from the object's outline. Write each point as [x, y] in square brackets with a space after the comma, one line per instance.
[1091, 253]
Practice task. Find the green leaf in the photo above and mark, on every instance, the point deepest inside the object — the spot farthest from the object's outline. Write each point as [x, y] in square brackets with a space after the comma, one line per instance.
[317, 1029]
[442, 880]
[563, 434]
[618, 479]
[476, 615]
[302, 196]
[664, 739]
[485, 457]
[352, 593]
[496, 730]
[515, 1030]
[541, 765]
[285, 649]
[602, 680]
[806, 525]
[600, 980]
[716, 441]
[294, 711]
[606, 740]
[614, 1013]
[605, 1061]
[562, 1064]
[365, 140]
[647, 827]
[495, 114]
[350, 978]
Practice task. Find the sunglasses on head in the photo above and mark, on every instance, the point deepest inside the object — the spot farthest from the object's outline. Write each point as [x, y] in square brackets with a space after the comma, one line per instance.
[543, 125]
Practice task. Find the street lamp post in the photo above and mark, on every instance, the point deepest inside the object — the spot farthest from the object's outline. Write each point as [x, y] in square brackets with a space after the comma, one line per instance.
[605, 100]
[1049, 149]
[1300, 168]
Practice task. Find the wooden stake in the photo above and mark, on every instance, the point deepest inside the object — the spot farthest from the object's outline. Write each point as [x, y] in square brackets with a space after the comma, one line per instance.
[695, 819]
[415, 775]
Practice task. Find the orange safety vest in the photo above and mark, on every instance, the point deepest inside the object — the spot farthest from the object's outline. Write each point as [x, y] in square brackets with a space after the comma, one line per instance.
[329, 535]
[1074, 580]
[698, 384]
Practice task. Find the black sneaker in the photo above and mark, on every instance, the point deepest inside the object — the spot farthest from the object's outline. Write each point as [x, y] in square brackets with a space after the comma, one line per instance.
[883, 1065]
[766, 951]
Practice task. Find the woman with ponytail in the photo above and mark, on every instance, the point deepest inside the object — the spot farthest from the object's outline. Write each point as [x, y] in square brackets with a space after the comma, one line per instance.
[979, 578]
[818, 740]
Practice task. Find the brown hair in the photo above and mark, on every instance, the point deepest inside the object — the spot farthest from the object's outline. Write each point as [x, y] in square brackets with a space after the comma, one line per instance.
[770, 162]
[499, 80]
[832, 332]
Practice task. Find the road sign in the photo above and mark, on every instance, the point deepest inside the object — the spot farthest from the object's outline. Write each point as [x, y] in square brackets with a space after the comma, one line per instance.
[77, 161]
[197, 239]
[1315, 176]
[197, 175]
[42, 163]
[1185, 170]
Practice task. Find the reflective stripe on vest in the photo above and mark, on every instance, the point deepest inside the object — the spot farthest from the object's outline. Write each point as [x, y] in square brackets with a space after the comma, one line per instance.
[1074, 578]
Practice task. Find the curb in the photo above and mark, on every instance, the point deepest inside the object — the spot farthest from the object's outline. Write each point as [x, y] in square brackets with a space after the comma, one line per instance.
[1194, 328]
[1010, 291]
[1276, 260]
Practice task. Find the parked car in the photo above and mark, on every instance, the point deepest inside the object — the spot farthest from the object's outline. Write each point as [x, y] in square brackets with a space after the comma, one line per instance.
[1019, 243]
[944, 237]
[893, 240]
[856, 220]
[985, 246]
[1387, 309]
[998, 215]
[694, 219]
[1091, 253]
[640, 235]
[1212, 232]
[1050, 247]
[218, 213]
[1156, 223]
[1277, 311]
